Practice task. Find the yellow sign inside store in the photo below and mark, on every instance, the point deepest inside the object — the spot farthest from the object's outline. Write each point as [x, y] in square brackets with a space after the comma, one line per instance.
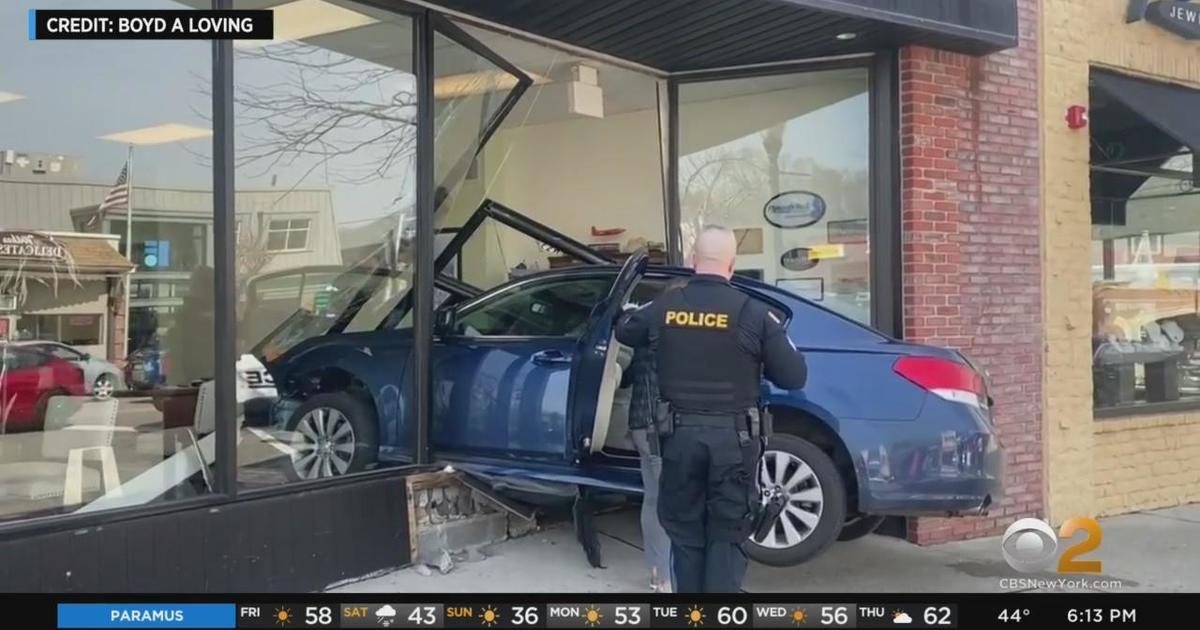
[828, 250]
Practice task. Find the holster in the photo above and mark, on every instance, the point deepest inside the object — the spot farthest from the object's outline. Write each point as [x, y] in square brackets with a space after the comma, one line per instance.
[767, 514]
[760, 425]
[750, 440]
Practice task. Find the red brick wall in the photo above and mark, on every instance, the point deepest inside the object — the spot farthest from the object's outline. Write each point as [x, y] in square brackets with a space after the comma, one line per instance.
[971, 253]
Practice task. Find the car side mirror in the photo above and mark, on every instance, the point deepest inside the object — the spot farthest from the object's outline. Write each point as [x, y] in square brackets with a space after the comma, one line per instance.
[443, 322]
[87, 356]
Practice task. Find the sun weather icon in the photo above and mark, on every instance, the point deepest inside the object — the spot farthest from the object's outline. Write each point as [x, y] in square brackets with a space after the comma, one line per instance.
[283, 616]
[489, 617]
[592, 616]
[799, 616]
[695, 616]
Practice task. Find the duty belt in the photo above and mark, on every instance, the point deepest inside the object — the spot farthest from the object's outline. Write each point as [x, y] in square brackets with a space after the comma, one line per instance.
[721, 421]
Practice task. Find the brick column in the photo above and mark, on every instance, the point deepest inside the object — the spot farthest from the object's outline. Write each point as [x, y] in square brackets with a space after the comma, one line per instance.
[972, 263]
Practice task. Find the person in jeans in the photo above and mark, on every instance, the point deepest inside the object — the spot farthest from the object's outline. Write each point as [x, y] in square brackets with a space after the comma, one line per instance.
[642, 377]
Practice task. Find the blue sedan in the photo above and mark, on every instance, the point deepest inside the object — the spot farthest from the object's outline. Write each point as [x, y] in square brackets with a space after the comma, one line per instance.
[527, 394]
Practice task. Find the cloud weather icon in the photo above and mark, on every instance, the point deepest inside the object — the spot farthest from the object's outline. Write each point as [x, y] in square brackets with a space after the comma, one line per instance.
[385, 610]
[901, 617]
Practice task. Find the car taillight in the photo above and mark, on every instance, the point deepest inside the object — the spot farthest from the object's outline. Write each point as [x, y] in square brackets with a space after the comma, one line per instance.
[944, 378]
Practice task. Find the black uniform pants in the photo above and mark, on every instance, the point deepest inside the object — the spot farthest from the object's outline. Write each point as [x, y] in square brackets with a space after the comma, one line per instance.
[703, 505]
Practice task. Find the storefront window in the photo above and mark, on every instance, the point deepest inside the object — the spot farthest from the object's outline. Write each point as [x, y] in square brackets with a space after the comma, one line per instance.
[75, 330]
[96, 413]
[1146, 293]
[1145, 258]
[325, 137]
[792, 179]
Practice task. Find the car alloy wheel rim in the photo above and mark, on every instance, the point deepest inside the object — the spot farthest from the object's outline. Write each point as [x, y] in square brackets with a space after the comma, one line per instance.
[323, 444]
[103, 387]
[786, 474]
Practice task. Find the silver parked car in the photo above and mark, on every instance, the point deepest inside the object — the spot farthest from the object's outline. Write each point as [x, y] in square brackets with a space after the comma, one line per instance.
[100, 377]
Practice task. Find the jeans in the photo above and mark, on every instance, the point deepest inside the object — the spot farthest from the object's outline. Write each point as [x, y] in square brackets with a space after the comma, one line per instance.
[656, 545]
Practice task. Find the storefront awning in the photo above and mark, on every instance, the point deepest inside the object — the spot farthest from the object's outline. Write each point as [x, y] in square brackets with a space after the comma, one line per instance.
[1172, 108]
[685, 35]
[33, 252]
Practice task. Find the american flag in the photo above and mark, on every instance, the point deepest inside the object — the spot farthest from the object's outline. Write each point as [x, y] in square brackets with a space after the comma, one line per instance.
[117, 197]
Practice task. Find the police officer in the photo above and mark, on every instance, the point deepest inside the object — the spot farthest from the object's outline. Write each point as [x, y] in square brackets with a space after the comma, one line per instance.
[712, 344]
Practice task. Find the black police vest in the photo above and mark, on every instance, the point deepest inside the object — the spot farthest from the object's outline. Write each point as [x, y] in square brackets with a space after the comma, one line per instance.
[701, 366]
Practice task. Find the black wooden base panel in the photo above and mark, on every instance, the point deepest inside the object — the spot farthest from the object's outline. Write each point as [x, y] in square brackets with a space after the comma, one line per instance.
[291, 542]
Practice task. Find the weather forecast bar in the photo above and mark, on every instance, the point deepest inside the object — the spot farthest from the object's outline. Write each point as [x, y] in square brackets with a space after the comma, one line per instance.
[607, 611]
[488, 615]
[598, 615]
[973, 612]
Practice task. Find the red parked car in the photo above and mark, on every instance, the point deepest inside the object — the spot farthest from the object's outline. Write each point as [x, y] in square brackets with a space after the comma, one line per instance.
[27, 381]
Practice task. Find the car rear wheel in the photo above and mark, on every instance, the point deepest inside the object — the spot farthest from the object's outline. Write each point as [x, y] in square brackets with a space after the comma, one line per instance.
[860, 526]
[331, 435]
[816, 506]
[104, 386]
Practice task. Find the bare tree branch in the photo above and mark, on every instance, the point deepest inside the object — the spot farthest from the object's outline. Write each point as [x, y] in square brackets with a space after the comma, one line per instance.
[323, 112]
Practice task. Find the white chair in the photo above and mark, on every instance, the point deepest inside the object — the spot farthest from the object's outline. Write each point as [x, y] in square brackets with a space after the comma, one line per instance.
[194, 457]
[75, 429]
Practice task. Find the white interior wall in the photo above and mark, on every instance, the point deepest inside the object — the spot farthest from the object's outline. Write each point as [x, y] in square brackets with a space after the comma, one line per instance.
[570, 175]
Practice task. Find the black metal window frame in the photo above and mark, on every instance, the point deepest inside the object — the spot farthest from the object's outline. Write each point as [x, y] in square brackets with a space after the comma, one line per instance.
[885, 270]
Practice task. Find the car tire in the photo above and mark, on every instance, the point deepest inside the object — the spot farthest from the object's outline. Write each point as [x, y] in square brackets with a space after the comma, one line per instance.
[859, 526]
[812, 479]
[331, 434]
[104, 386]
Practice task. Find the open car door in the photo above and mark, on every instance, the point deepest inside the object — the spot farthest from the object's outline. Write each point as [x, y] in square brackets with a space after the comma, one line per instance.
[599, 370]
[528, 370]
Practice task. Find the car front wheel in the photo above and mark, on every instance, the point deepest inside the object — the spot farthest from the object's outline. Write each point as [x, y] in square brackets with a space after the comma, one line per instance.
[330, 435]
[104, 386]
[816, 502]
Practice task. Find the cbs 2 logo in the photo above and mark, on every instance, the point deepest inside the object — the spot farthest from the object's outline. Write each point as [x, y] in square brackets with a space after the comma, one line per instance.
[1030, 545]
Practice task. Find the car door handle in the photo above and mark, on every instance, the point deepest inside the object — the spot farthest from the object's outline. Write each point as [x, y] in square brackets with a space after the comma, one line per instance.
[550, 357]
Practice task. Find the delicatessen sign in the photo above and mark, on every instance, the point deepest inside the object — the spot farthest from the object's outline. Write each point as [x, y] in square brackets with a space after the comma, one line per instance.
[30, 246]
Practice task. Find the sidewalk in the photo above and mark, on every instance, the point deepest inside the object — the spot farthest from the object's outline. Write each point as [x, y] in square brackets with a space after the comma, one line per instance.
[1148, 551]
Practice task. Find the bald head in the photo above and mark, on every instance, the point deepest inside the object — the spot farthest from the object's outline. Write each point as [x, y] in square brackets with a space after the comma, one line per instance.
[715, 251]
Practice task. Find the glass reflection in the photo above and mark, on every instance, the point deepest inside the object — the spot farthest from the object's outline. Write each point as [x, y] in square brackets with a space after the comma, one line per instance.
[792, 180]
[106, 318]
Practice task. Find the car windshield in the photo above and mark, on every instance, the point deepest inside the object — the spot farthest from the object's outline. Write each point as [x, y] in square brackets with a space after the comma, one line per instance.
[335, 304]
